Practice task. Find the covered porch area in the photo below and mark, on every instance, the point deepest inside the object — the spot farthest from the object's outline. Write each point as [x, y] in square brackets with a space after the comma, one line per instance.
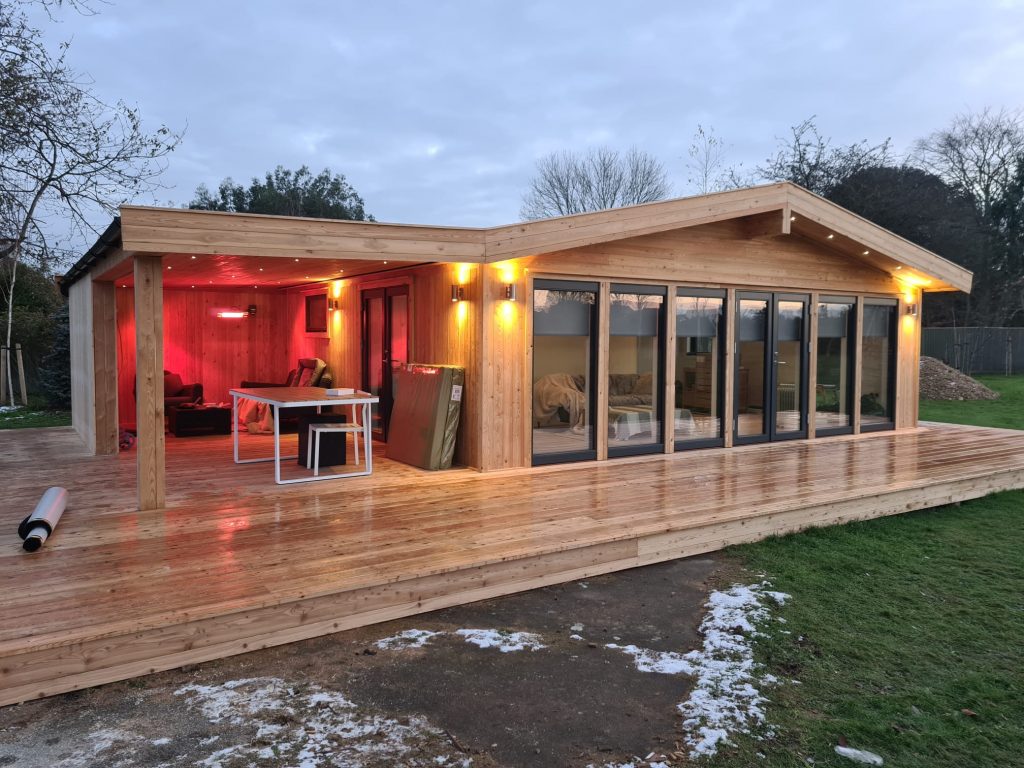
[232, 562]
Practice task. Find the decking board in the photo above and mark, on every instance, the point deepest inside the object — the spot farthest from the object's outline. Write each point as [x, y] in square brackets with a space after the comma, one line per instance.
[235, 563]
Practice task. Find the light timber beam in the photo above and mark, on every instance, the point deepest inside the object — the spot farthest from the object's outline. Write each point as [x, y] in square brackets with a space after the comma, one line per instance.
[149, 381]
[104, 345]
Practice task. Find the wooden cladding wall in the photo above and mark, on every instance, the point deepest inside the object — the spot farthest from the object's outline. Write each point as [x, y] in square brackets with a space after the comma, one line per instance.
[717, 255]
[723, 254]
[201, 347]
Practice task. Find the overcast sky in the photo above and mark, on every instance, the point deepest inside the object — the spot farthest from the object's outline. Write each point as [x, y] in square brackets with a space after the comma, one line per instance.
[437, 111]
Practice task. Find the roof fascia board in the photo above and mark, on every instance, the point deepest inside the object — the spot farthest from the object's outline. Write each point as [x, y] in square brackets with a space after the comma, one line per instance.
[161, 230]
[548, 235]
[838, 219]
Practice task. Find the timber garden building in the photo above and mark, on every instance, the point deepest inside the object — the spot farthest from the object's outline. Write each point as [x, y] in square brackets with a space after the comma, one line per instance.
[755, 315]
[641, 384]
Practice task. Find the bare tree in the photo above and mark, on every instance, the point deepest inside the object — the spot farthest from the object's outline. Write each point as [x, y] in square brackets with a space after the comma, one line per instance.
[706, 164]
[65, 155]
[569, 182]
[982, 156]
[810, 160]
[978, 154]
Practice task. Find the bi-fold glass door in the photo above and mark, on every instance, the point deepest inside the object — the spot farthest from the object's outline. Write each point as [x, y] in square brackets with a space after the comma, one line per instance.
[636, 369]
[836, 365]
[564, 370]
[770, 394]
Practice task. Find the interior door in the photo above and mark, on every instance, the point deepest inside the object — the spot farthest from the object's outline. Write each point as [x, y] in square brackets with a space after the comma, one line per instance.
[385, 348]
[771, 367]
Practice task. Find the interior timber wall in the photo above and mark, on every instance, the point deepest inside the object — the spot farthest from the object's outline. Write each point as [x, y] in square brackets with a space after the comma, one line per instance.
[201, 347]
[441, 332]
[720, 255]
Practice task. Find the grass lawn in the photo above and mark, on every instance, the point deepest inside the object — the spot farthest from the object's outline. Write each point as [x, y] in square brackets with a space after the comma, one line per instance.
[35, 414]
[897, 626]
[1007, 411]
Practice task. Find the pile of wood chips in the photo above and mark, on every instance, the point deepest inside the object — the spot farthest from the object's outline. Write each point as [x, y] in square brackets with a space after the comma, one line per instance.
[940, 382]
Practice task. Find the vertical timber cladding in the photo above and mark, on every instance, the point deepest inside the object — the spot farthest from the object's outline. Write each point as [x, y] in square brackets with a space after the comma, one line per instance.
[505, 405]
[722, 254]
[83, 413]
[149, 381]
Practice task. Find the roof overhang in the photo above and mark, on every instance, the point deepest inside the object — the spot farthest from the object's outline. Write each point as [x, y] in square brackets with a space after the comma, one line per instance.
[211, 247]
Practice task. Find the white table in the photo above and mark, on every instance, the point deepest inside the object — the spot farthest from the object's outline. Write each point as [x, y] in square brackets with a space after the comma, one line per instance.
[298, 397]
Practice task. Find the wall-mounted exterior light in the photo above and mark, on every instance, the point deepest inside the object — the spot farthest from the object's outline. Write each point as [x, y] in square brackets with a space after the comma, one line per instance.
[510, 291]
[334, 304]
[458, 292]
[912, 309]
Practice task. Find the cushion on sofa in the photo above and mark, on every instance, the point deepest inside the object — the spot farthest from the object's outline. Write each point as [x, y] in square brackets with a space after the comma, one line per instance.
[644, 385]
[172, 384]
[621, 383]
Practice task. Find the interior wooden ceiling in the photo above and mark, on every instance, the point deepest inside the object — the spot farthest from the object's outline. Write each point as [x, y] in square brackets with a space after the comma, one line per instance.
[220, 272]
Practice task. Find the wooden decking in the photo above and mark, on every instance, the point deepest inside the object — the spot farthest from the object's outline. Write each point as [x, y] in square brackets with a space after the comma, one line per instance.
[236, 563]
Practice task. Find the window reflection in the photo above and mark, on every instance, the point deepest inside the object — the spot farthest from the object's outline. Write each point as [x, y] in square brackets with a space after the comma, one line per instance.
[877, 368]
[697, 415]
[634, 364]
[563, 359]
[834, 388]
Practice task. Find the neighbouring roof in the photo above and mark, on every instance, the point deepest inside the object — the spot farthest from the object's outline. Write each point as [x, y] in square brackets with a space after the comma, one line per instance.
[181, 231]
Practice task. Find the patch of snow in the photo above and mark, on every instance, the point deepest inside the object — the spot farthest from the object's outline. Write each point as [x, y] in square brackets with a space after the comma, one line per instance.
[663, 662]
[410, 638]
[860, 756]
[160, 742]
[576, 627]
[9, 408]
[309, 727]
[575, 637]
[724, 700]
[506, 642]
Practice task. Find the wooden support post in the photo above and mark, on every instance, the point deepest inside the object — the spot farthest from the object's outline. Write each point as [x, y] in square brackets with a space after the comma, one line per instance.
[104, 344]
[21, 374]
[812, 370]
[787, 219]
[149, 381]
[732, 318]
[669, 428]
[858, 351]
[600, 420]
[4, 363]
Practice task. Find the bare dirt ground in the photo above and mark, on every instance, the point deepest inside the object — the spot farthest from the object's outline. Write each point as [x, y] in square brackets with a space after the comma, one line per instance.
[343, 700]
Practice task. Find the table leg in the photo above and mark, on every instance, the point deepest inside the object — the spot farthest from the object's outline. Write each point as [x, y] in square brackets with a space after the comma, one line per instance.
[234, 423]
[277, 445]
[367, 445]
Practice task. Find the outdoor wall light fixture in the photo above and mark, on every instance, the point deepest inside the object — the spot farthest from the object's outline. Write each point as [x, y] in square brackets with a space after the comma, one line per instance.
[912, 309]
[510, 291]
[458, 292]
[334, 304]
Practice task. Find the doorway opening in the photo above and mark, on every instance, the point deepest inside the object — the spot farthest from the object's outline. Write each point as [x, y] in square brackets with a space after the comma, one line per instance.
[385, 345]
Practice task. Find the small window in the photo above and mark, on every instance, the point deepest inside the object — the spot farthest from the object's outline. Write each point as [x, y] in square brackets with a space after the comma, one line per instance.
[316, 313]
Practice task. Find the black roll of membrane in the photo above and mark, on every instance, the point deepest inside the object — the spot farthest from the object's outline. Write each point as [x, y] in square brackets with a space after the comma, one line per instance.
[37, 527]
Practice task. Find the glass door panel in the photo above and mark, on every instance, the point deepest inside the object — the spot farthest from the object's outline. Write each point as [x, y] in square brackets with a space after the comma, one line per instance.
[385, 348]
[771, 367]
[752, 374]
[564, 368]
[635, 363]
[878, 365]
[790, 369]
[835, 368]
[373, 345]
[699, 374]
